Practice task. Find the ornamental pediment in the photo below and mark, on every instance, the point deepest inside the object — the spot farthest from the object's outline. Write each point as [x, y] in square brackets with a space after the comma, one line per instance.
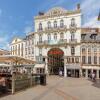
[56, 11]
[16, 40]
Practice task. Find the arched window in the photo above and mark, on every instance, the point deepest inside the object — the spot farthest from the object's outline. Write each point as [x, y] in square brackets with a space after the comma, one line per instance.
[95, 49]
[89, 50]
[61, 36]
[49, 37]
[61, 23]
[83, 50]
[55, 24]
[40, 38]
[49, 25]
[40, 51]
[40, 26]
[72, 36]
[72, 50]
[72, 21]
[55, 36]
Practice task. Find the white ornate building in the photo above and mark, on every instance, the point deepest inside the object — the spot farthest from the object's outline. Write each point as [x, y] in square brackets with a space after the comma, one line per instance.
[57, 44]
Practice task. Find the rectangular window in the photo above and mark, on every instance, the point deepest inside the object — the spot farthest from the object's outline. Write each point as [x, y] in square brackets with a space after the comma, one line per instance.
[72, 51]
[95, 59]
[99, 60]
[72, 60]
[77, 60]
[84, 59]
[40, 51]
[89, 59]
[68, 60]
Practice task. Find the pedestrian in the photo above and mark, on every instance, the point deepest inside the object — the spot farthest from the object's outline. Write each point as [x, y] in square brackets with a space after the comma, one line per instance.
[93, 76]
[60, 73]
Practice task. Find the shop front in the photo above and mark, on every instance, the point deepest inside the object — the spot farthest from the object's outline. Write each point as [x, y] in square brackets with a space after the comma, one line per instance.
[73, 70]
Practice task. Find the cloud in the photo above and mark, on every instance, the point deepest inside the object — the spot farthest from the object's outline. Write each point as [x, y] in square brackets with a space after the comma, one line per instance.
[92, 22]
[90, 10]
[4, 43]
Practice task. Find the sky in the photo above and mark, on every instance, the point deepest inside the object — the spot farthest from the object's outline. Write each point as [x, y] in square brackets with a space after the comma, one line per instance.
[17, 16]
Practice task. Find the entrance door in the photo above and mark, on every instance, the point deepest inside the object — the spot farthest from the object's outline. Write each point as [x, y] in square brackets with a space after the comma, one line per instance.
[55, 61]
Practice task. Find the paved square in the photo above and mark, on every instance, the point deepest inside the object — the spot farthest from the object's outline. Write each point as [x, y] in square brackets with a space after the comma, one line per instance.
[60, 89]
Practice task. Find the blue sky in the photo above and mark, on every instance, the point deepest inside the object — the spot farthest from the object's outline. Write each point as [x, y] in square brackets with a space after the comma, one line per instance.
[16, 16]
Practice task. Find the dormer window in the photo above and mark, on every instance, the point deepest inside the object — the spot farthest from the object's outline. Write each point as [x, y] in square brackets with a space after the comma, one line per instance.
[93, 36]
[40, 26]
[83, 36]
[62, 23]
[55, 24]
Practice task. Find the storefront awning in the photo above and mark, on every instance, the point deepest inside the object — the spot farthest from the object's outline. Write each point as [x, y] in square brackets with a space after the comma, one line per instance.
[39, 66]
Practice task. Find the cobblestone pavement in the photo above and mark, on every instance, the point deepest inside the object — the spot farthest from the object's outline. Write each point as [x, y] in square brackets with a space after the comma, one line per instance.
[60, 89]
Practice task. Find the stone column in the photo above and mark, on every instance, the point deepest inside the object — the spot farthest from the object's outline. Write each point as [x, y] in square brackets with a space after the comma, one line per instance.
[80, 72]
[86, 73]
[13, 83]
[65, 68]
[87, 56]
[46, 66]
[65, 71]
[97, 74]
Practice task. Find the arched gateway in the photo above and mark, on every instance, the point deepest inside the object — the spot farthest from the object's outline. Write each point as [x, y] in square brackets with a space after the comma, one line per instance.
[55, 61]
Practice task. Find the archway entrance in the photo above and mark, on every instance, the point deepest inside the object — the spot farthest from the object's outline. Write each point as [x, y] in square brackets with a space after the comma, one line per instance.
[55, 61]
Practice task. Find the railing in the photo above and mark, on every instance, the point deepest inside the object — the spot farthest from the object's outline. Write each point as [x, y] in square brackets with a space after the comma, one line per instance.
[55, 28]
[46, 42]
[39, 30]
[73, 41]
[26, 81]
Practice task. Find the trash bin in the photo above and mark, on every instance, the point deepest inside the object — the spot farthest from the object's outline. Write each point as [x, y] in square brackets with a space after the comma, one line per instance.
[43, 79]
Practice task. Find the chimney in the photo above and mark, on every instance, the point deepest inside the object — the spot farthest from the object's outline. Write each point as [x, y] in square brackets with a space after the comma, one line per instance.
[41, 13]
[78, 6]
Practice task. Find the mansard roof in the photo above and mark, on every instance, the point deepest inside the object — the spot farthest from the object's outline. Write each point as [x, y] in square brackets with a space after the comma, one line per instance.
[88, 37]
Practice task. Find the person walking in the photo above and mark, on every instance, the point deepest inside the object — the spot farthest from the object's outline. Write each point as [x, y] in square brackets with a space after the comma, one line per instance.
[60, 73]
[93, 76]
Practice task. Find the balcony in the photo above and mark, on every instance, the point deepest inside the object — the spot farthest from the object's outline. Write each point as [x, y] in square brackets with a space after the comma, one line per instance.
[72, 41]
[55, 29]
[39, 30]
[52, 42]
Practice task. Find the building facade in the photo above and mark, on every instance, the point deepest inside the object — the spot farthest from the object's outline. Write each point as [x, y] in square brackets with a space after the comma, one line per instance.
[18, 47]
[58, 38]
[59, 43]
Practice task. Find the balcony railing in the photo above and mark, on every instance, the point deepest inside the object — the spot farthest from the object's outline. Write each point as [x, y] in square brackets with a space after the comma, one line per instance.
[51, 42]
[72, 41]
[39, 30]
[55, 28]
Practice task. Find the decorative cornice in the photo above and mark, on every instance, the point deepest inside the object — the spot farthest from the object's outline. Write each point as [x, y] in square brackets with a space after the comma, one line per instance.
[66, 13]
[53, 30]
